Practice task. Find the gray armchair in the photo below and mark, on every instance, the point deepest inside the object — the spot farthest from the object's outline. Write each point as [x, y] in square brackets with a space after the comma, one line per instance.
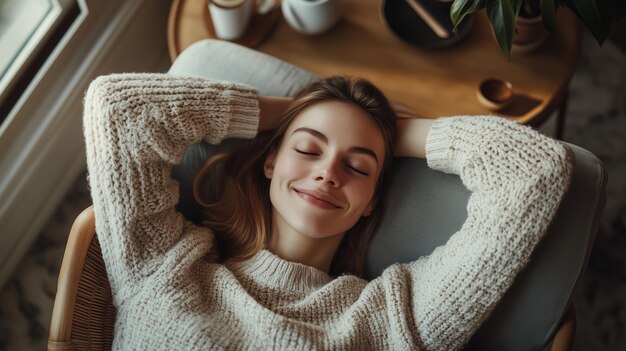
[536, 313]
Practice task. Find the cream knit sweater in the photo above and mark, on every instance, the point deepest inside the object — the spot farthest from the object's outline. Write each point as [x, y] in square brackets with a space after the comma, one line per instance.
[169, 295]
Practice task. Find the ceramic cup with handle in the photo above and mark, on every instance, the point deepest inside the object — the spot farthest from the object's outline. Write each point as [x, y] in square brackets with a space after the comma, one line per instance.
[312, 16]
[231, 17]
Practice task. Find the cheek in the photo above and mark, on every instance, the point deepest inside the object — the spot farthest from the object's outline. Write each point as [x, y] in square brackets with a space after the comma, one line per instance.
[361, 194]
[287, 167]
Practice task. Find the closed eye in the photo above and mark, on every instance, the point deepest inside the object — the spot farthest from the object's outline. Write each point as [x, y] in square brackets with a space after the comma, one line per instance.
[305, 153]
[354, 169]
[358, 170]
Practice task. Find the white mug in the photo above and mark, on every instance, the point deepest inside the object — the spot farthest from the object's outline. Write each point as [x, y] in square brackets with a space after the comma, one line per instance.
[312, 16]
[230, 17]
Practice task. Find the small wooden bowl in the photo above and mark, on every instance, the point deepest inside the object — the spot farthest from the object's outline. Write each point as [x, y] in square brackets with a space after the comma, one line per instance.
[495, 94]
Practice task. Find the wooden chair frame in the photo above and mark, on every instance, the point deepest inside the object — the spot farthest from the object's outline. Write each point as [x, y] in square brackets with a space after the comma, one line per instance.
[83, 316]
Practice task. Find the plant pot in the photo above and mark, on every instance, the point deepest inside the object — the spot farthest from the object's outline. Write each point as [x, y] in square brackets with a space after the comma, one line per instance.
[442, 3]
[529, 35]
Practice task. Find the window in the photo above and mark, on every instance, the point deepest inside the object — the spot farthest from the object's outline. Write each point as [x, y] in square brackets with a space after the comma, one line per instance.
[50, 51]
[28, 31]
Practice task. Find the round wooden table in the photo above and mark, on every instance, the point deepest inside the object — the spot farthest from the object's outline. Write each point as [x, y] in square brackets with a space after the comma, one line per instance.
[433, 83]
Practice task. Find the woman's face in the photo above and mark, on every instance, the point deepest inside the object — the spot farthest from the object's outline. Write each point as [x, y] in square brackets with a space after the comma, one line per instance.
[324, 175]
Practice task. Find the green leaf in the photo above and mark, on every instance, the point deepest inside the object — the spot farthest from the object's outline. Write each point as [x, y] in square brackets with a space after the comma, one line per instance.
[599, 20]
[548, 8]
[502, 15]
[517, 5]
[462, 8]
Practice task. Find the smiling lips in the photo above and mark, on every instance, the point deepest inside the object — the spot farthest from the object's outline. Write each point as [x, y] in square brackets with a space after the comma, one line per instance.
[318, 198]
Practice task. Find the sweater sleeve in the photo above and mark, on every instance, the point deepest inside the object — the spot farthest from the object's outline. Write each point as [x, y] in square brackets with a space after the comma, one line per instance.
[517, 178]
[136, 127]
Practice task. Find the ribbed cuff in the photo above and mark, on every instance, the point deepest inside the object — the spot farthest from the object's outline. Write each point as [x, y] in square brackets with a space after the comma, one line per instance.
[244, 114]
[439, 150]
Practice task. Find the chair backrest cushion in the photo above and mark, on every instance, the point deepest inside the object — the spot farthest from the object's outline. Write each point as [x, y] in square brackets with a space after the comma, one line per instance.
[428, 207]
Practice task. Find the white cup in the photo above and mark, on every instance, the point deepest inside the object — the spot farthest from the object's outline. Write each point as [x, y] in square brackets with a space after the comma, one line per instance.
[312, 16]
[230, 17]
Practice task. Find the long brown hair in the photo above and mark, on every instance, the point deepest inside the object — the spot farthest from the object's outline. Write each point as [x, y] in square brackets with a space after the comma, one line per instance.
[241, 217]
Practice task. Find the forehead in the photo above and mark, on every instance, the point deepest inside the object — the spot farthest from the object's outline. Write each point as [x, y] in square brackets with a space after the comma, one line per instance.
[342, 123]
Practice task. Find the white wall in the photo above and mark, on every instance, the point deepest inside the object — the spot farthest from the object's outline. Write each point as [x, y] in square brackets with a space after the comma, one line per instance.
[42, 148]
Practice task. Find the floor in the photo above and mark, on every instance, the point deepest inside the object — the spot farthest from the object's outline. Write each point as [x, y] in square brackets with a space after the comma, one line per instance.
[596, 121]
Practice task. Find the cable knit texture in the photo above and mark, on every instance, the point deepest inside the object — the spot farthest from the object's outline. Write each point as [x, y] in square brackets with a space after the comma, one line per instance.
[170, 296]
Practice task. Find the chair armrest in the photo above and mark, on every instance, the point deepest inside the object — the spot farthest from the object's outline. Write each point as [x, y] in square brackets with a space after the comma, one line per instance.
[78, 242]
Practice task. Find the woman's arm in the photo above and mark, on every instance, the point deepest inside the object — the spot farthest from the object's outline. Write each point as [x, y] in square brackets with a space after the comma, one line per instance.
[136, 127]
[517, 178]
[411, 137]
[272, 109]
[412, 131]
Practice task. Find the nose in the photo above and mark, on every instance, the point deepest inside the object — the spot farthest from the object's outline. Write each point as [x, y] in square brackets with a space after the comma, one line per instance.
[327, 174]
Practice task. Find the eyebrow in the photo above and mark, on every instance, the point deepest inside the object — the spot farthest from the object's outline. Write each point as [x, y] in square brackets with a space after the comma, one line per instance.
[322, 137]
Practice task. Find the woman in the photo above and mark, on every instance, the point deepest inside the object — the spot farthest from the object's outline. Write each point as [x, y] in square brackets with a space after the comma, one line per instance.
[319, 180]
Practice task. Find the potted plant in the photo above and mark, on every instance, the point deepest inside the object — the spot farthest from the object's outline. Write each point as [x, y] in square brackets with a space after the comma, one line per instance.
[597, 15]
